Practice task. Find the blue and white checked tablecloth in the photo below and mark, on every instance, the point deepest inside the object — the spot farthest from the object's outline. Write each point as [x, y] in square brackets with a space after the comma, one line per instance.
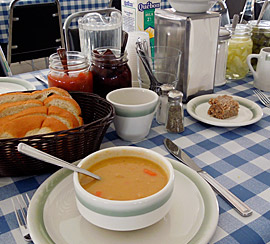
[67, 7]
[216, 7]
[239, 158]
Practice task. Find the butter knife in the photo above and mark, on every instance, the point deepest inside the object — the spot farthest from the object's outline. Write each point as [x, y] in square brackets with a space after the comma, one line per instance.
[178, 153]
[42, 80]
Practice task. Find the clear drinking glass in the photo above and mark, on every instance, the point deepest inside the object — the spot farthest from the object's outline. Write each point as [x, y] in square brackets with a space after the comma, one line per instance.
[165, 64]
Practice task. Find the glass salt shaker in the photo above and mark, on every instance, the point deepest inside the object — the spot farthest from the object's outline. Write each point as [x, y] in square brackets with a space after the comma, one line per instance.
[222, 54]
[163, 101]
[175, 112]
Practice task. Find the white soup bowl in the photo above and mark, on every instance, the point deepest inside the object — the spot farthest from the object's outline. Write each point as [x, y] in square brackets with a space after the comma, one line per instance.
[125, 215]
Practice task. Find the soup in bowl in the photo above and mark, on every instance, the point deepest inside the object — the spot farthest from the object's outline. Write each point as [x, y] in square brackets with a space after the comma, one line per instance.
[135, 190]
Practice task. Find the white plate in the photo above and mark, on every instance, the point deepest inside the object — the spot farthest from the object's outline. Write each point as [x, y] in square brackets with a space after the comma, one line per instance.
[249, 112]
[54, 218]
[11, 84]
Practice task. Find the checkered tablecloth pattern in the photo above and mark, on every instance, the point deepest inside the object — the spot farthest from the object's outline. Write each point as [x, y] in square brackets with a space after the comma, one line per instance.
[67, 7]
[216, 7]
[238, 158]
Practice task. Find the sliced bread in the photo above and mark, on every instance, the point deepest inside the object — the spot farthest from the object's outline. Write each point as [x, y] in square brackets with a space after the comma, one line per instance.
[36, 95]
[66, 103]
[11, 108]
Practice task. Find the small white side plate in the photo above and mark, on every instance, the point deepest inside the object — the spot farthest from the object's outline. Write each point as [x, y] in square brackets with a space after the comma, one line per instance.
[11, 84]
[249, 112]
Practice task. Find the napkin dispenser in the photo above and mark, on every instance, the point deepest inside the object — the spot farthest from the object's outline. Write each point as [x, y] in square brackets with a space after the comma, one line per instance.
[196, 35]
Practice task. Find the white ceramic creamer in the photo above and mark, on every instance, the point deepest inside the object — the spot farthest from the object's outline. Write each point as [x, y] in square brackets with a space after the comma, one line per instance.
[262, 73]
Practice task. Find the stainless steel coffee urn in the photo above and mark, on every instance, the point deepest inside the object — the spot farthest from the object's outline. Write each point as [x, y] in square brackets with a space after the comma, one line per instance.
[196, 35]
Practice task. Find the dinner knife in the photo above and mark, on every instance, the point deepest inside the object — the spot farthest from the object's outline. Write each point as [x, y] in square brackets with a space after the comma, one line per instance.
[178, 153]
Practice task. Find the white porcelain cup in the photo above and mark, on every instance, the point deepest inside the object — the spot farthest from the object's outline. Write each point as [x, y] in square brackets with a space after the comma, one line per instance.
[262, 73]
[135, 109]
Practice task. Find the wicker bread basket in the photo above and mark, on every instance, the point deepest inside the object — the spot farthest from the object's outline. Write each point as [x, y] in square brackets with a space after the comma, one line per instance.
[69, 145]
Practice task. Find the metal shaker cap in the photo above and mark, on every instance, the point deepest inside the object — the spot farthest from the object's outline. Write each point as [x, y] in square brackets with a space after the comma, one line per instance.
[224, 34]
[165, 88]
[175, 95]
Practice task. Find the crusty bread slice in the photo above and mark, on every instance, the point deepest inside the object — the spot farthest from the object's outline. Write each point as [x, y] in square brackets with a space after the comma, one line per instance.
[36, 95]
[66, 103]
[30, 125]
[45, 93]
[21, 126]
[51, 124]
[11, 108]
[64, 116]
[40, 110]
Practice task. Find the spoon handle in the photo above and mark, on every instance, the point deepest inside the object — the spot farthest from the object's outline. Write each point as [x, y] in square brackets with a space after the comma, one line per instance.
[262, 11]
[235, 21]
[35, 153]
[63, 57]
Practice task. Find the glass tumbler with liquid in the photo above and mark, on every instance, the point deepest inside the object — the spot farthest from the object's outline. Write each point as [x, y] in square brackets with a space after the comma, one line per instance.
[240, 46]
[102, 28]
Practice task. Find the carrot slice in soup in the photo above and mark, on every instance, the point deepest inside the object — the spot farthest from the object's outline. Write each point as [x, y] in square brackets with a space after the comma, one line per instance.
[149, 172]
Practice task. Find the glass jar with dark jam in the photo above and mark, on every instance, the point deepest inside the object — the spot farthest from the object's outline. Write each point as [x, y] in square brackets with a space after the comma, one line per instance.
[110, 70]
[74, 76]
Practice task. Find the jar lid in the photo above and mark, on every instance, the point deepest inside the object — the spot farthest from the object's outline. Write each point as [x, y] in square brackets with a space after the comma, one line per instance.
[224, 34]
[265, 24]
[175, 95]
[240, 29]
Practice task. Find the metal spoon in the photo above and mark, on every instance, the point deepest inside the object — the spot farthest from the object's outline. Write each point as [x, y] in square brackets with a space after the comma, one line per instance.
[154, 83]
[262, 11]
[35, 153]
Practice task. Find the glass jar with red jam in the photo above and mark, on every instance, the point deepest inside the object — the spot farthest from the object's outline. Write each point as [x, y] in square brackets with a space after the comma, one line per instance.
[110, 70]
[72, 75]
